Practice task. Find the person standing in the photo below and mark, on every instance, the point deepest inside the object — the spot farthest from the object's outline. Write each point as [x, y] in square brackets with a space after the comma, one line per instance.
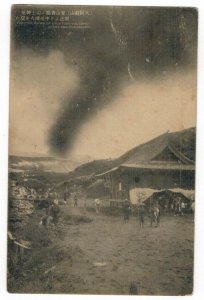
[172, 207]
[141, 213]
[177, 206]
[54, 211]
[97, 205]
[155, 216]
[166, 206]
[126, 210]
[182, 207]
[65, 197]
[75, 201]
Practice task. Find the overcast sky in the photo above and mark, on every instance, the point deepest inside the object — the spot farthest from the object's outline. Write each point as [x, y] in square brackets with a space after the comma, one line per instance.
[100, 95]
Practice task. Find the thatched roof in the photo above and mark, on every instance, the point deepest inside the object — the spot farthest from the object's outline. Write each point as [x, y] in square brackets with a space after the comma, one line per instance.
[169, 151]
[179, 145]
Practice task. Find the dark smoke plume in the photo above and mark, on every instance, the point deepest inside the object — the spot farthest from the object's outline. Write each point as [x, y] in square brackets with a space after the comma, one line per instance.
[123, 43]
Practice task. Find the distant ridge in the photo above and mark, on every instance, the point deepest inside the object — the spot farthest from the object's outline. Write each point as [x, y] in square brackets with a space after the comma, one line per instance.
[41, 164]
[181, 142]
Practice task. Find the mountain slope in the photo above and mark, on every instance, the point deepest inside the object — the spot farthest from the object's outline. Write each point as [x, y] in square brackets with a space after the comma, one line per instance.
[183, 141]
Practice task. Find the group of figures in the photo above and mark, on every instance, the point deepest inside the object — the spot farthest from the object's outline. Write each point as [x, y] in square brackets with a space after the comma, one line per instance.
[67, 198]
[152, 209]
[51, 215]
[154, 212]
[52, 211]
[177, 207]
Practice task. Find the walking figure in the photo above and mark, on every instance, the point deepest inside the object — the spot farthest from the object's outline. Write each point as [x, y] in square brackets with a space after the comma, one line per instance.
[141, 212]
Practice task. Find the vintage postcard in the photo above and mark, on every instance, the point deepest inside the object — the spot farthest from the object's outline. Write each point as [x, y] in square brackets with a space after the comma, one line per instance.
[102, 133]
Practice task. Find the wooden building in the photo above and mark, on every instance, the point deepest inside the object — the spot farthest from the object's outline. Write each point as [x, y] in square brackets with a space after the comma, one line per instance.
[166, 162]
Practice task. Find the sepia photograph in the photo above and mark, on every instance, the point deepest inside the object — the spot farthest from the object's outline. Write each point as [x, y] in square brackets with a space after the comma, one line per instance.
[102, 144]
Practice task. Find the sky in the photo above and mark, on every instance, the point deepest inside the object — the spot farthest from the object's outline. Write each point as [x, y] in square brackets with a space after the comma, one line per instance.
[142, 111]
[37, 88]
[101, 91]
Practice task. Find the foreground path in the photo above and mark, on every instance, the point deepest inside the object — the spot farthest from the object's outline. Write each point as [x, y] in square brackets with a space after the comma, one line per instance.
[114, 253]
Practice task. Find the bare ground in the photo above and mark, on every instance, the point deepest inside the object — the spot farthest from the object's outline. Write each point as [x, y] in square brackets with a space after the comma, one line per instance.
[104, 256]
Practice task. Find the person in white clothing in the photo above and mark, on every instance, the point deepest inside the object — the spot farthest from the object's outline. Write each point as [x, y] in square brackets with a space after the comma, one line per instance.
[97, 205]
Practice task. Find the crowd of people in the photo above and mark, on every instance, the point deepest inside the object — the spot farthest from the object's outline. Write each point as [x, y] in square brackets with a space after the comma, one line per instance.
[152, 210]
[51, 215]
[176, 207]
[52, 211]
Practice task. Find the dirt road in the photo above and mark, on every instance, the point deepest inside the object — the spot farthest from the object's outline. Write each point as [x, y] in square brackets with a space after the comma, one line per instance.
[110, 254]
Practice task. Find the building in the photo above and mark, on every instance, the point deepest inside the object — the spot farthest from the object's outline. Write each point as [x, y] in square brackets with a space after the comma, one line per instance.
[166, 162]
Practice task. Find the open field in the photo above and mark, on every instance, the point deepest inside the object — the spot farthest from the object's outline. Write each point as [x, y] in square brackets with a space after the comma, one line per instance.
[105, 255]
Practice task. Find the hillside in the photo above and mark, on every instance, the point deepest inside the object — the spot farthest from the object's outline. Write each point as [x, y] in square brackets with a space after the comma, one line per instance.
[93, 167]
[184, 141]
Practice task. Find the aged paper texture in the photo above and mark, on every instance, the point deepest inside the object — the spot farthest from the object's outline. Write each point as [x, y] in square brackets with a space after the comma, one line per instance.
[102, 134]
